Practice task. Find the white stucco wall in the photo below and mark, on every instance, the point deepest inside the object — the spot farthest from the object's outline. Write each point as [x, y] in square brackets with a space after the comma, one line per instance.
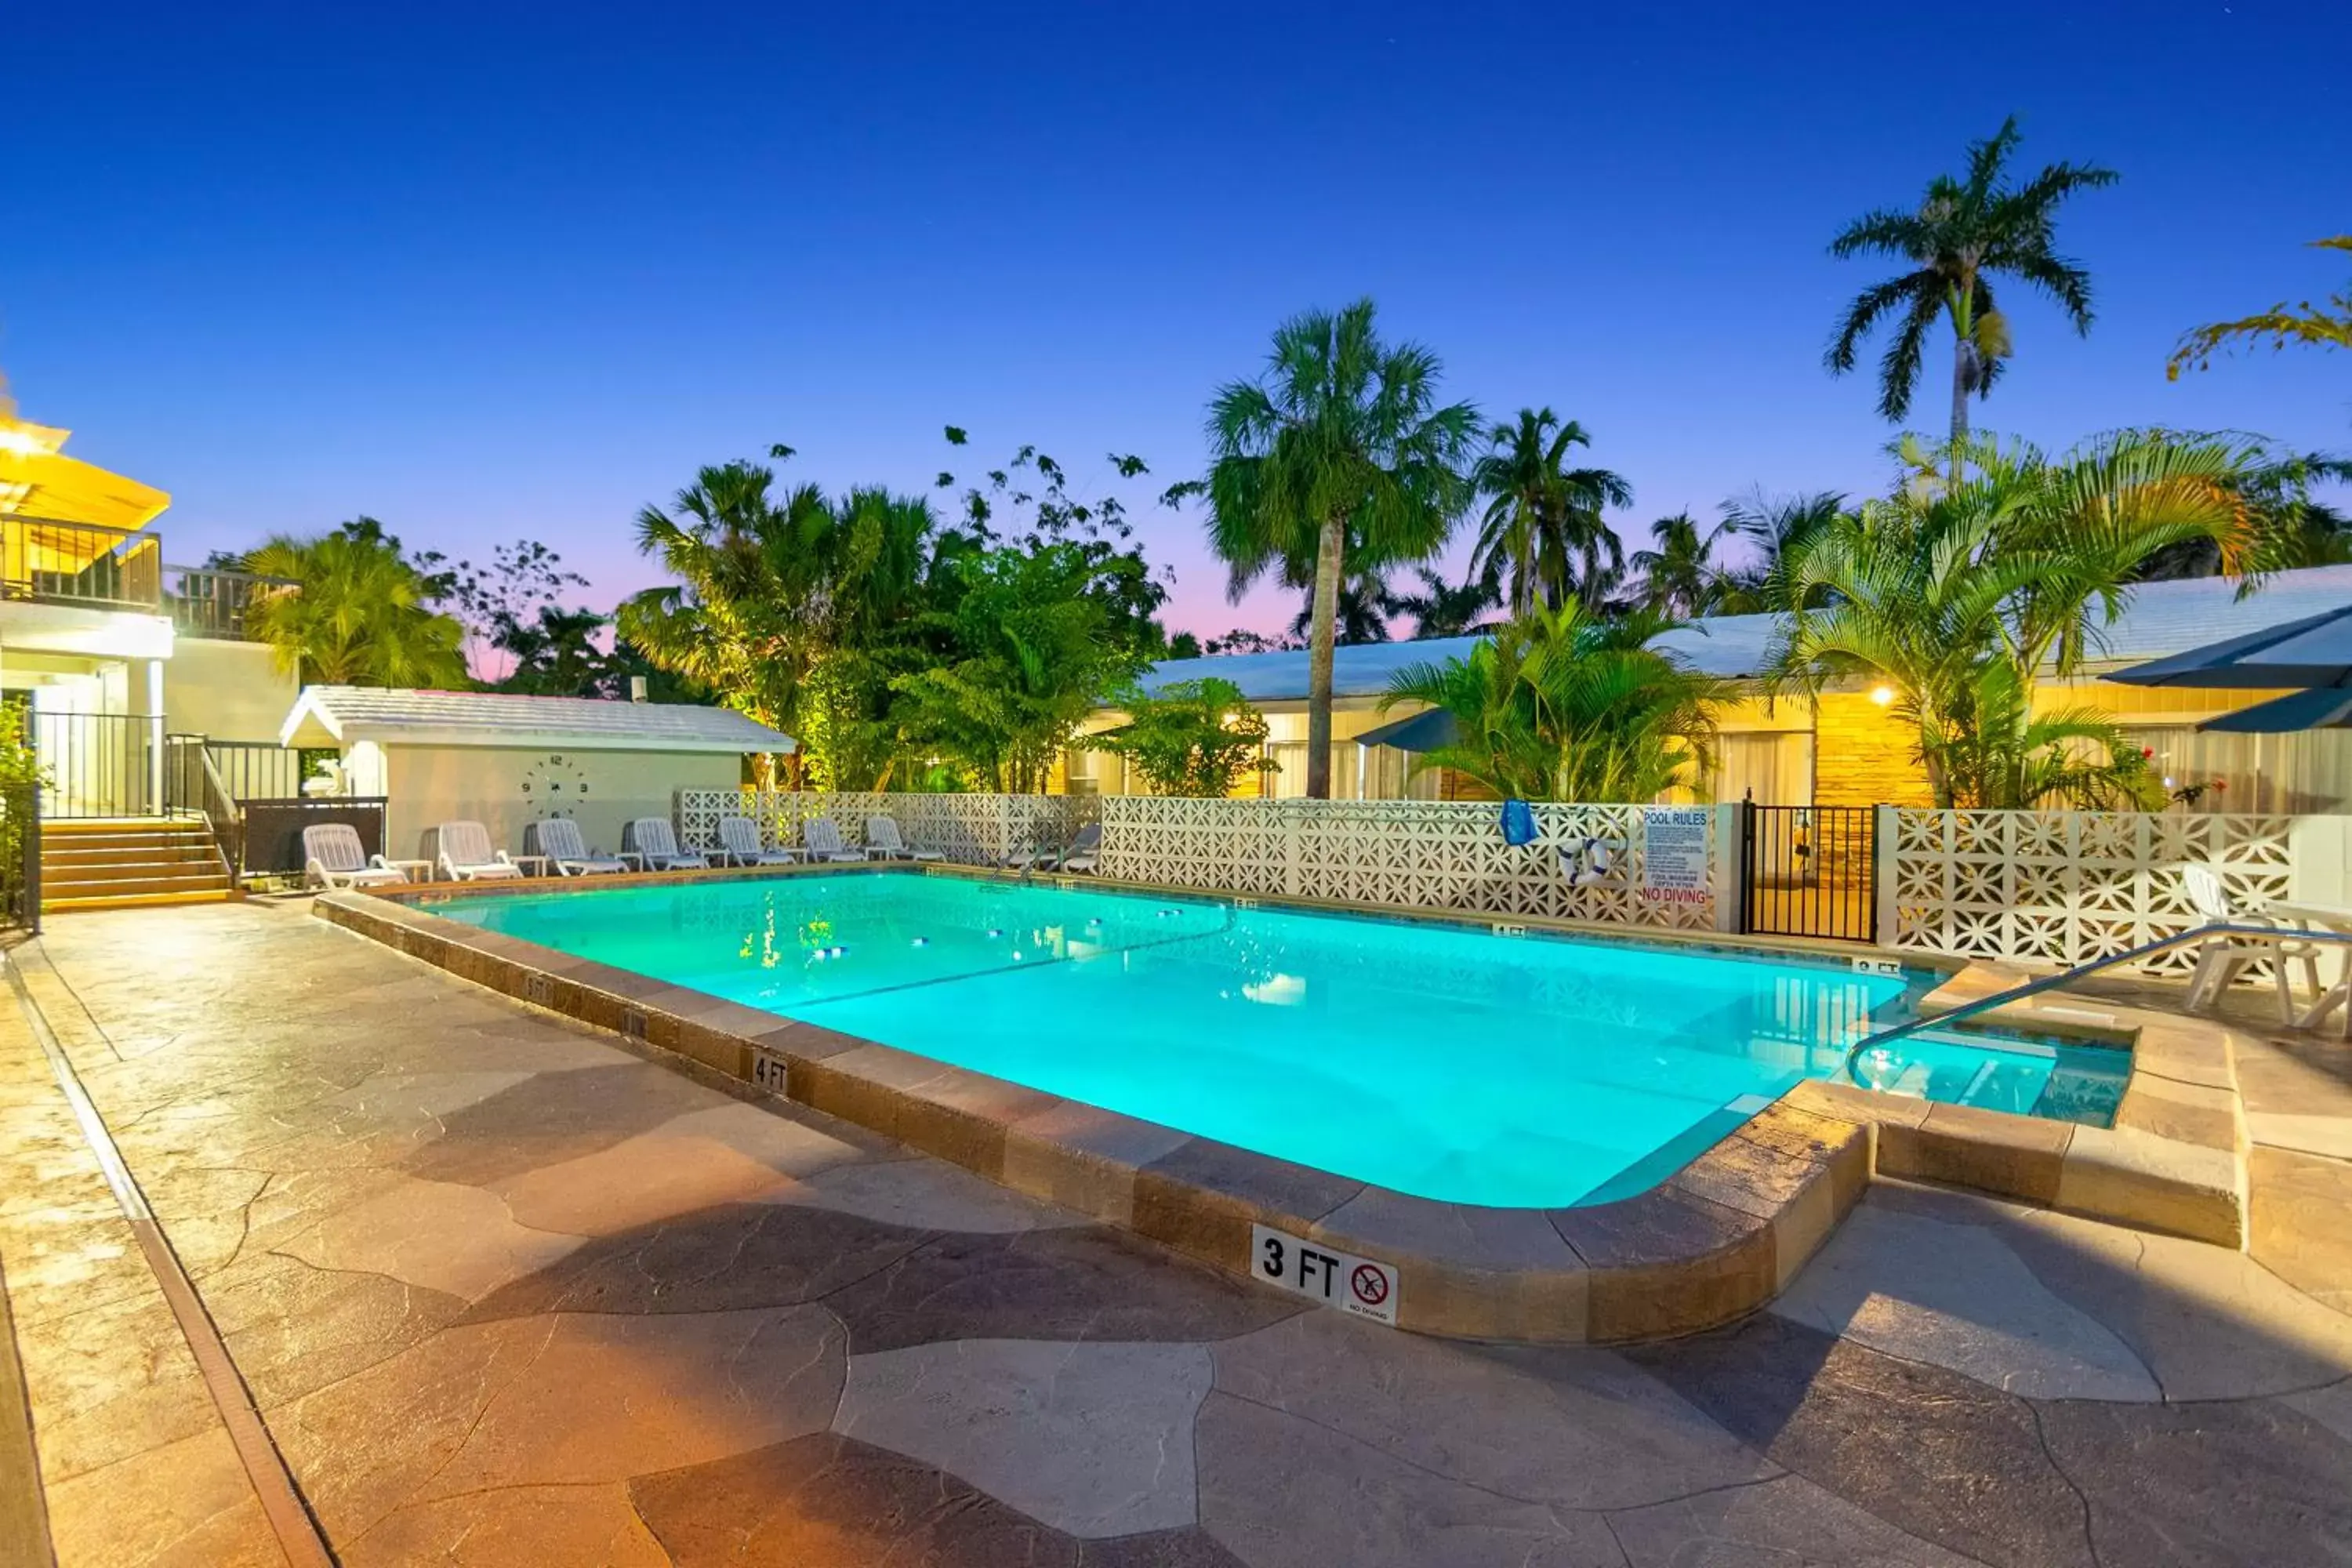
[228, 691]
[505, 787]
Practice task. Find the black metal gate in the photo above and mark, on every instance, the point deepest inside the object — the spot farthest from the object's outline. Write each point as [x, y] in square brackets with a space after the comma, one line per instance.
[1810, 870]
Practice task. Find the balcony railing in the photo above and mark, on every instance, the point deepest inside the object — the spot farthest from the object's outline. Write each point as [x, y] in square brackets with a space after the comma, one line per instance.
[81, 563]
[208, 602]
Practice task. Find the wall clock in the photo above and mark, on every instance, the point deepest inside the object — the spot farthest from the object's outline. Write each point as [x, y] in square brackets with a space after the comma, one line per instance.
[555, 785]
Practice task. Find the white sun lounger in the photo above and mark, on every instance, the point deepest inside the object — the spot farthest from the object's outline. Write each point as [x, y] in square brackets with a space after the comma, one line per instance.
[823, 841]
[653, 844]
[334, 858]
[466, 854]
[650, 840]
[558, 838]
[1084, 849]
[883, 842]
[738, 844]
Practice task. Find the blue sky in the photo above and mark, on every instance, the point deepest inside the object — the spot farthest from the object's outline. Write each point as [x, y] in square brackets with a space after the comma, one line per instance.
[487, 273]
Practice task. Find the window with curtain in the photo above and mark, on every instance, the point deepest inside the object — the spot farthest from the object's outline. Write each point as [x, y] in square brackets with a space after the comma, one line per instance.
[2308, 773]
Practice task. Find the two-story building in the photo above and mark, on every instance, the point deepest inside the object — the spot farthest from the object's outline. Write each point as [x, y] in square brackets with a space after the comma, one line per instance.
[120, 669]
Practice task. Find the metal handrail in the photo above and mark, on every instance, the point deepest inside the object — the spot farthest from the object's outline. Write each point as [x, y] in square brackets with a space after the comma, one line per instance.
[2053, 981]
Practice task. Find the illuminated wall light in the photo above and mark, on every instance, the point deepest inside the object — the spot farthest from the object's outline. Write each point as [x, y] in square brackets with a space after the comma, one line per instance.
[1882, 695]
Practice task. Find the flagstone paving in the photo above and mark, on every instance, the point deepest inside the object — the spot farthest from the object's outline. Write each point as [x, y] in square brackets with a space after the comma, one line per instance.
[506, 1290]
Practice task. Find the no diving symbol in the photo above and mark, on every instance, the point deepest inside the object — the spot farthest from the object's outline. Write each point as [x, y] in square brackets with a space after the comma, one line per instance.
[1370, 1286]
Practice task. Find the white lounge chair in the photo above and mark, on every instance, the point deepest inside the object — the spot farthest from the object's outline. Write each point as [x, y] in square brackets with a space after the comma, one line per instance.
[334, 856]
[650, 840]
[738, 844]
[883, 842]
[558, 838]
[1084, 849]
[2219, 959]
[465, 856]
[823, 841]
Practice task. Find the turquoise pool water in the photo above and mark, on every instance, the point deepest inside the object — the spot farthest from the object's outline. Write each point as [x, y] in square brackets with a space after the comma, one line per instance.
[1452, 1064]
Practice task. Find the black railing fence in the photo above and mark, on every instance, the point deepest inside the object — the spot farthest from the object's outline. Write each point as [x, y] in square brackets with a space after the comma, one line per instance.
[97, 764]
[1809, 870]
[80, 564]
[210, 602]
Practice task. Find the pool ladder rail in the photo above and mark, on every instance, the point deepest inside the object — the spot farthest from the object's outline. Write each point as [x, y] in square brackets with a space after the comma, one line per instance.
[1943, 1021]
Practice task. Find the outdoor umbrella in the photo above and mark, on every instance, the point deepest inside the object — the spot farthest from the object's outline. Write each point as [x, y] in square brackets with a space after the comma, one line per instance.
[2314, 652]
[1422, 732]
[2322, 708]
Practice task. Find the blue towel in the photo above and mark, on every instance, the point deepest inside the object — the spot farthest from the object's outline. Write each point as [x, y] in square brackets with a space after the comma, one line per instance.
[1519, 823]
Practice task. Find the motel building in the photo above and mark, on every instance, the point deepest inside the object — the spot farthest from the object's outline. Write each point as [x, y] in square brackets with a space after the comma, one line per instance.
[1841, 748]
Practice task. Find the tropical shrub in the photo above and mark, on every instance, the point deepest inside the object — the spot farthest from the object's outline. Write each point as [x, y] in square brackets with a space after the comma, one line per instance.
[1196, 738]
[1565, 705]
[2022, 564]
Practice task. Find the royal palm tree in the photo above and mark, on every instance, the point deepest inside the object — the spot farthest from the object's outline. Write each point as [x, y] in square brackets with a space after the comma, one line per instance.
[1337, 460]
[362, 613]
[1543, 527]
[1680, 575]
[1966, 231]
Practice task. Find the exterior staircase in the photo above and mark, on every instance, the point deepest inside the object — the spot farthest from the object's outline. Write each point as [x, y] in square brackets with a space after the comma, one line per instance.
[103, 863]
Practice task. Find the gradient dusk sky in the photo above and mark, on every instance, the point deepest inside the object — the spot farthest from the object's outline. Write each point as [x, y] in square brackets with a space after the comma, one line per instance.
[499, 271]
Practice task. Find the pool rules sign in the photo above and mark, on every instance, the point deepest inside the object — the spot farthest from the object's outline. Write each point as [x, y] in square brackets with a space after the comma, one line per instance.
[1674, 854]
[1356, 1285]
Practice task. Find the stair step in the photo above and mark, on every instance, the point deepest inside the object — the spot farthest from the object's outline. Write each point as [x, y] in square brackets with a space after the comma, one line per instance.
[129, 853]
[138, 900]
[87, 876]
[143, 882]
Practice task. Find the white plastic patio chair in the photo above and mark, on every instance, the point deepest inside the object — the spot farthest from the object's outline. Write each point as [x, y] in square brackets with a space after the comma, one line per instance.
[823, 841]
[738, 844]
[334, 856]
[650, 840]
[883, 842]
[2220, 958]
[558, 838]
[466, 854]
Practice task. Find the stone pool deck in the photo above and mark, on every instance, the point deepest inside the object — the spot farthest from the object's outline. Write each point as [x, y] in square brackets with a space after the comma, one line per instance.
[506, 1290]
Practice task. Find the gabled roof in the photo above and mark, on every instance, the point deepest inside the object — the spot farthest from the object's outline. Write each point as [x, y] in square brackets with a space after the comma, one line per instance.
[2159, 618]
[332, 715]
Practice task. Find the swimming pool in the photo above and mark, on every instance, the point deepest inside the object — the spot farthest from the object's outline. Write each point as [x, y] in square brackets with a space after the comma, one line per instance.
[1438, 1061]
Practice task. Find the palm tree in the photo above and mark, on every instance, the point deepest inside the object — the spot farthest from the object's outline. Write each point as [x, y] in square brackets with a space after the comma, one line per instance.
[1543, 525]
[769, 590]
[1362, 614]
[1773, 527]
[1965, 232]
[2320, 326]
[1335, 462]
[1566, 705]
[2023, 564]
[361, 613]
[2011, 758]
[1442, 609]
[1680, 576]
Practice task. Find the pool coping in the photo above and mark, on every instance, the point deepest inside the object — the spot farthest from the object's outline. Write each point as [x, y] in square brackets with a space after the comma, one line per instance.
[1710, 1244]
